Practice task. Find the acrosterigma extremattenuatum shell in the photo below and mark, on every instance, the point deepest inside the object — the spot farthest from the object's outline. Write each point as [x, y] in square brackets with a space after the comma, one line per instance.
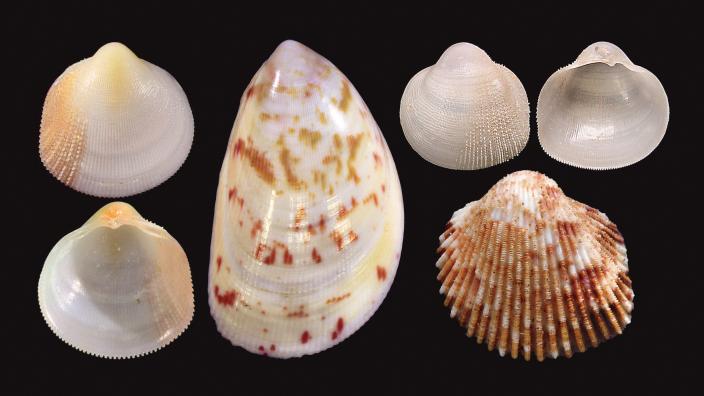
[118, 287]
[602, 111]
[115, 125]
[309, 216]
[530, 271]
[466, 111]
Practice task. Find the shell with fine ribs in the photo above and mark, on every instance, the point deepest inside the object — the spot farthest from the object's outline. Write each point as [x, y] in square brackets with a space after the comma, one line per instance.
[118, 287]
[465, 111]
[115, 125]
[309, 216]
[602, 111]
[532, 272]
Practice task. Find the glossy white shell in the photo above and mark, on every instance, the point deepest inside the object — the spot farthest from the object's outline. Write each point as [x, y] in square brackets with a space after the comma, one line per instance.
[602, 111]
[115, 125]
[118, 287]
[465, 112]
[309, 216]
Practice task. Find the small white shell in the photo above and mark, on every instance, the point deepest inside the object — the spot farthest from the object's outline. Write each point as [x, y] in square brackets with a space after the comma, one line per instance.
[115, 125]
[308, 217]
[118, 287]
[602, 111]
[465, 112]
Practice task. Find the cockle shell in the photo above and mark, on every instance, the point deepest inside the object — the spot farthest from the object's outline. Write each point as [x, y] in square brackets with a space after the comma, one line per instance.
[115, 125]
[465, 112]
[530, 271]
[118, 287]
[602, 111]
[309, 216]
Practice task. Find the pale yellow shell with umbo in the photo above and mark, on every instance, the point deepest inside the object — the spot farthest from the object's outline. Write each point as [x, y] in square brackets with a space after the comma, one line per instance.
[115, 125]
[309, 217]
[530, 271]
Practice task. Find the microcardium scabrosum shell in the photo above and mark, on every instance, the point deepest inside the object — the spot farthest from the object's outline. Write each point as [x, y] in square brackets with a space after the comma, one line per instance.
[118, 287]
[530, 271]
[115, 125]
[465, 112]
[602, 111]
[309, 215]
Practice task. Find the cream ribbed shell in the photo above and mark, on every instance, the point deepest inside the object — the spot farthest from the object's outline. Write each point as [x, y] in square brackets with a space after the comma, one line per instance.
[114, 125]
[465, 112]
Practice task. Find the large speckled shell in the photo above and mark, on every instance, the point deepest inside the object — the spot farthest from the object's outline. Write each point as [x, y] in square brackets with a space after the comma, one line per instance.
[309, 216]
[602, 111]
[530, 271]
[118, 287]
[465, 112]
[115, 125]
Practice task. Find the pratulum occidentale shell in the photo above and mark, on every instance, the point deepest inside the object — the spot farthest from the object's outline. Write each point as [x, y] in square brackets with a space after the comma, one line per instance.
[115, 125]
[309, 216]
[465, 112]
[532, 272]
[118, 287]
[602, 111]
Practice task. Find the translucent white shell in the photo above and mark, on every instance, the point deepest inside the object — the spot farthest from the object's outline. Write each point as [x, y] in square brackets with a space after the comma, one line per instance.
[530, 271]
[118, 287]
[115, 125]
[465, 112]
[602, 111]
[309, 216]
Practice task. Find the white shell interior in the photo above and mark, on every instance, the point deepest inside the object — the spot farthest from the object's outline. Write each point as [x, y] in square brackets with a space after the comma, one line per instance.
[602, 111]
[465, 112]
[117, 288]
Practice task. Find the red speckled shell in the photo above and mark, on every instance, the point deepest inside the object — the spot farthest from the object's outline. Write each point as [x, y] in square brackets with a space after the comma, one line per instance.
[309, 217]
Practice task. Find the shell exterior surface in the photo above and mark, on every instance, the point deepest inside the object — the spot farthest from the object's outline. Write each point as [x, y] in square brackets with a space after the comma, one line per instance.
[115, 125]
[465, 112]
[532, 272]
[118, 287]
[309, 215]
[602, 111]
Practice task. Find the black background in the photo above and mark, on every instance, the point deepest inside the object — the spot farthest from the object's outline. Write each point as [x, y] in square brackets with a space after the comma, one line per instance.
[411, 344]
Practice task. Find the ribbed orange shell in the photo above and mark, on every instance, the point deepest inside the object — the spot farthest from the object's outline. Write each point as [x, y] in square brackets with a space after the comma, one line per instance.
[529, 270]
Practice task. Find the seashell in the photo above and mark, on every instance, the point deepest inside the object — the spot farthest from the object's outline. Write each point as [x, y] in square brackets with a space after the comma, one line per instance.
[465, 112]
[309, 215]
[118, 287]
[530, 271]
[602, 111]
[115, 125]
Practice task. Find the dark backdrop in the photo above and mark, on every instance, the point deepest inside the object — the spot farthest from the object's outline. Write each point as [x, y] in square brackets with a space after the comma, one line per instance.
[411, 344]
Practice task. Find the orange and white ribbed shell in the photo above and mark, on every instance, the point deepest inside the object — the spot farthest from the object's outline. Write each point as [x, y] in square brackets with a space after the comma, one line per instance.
[532, 272]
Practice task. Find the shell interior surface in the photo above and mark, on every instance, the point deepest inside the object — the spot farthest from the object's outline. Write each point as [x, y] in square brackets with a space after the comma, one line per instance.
[602, 111]
[309, 215]
[465, 112]
[115, 125]
[532, 272]
[118, 287]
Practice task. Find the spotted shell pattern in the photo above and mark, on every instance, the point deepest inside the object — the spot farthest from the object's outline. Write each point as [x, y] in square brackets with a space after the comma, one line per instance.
[309, 216]
[529, 271]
